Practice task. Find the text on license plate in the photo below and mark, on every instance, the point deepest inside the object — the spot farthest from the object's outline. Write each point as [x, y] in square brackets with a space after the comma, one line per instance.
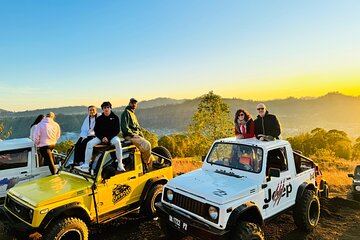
[178, 223]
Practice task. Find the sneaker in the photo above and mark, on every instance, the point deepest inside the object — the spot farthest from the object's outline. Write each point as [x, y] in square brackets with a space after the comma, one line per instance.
[121, 167]
[83, 167]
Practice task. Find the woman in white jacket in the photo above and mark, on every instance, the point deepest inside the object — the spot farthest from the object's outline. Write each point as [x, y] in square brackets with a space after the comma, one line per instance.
[87, 134]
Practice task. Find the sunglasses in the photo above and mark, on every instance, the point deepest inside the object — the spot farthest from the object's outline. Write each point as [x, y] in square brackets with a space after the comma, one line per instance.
[260, 109]
[241, 114]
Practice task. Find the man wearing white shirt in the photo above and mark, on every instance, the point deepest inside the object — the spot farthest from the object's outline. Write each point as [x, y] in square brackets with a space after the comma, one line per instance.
[87, 133]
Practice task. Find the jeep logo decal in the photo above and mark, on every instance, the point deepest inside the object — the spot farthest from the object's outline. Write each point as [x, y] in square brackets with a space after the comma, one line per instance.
[280, 192]
[220, 193]
[119, 192]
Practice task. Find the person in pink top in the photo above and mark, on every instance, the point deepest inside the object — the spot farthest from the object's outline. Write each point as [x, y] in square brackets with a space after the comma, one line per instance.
[46, 134]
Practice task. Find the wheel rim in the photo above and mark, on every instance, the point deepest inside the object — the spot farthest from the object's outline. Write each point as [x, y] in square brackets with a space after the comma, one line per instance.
[157, 198]
[313, 212]
[71, 234]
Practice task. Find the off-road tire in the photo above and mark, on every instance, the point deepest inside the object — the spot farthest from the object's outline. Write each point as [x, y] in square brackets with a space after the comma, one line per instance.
[162, 151]
[170, 233]
[68, 228]
[325, 192]
[307, 211]
[247, 231]
[153, 197]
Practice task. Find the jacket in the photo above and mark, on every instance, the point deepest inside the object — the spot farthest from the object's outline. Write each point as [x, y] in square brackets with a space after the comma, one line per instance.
[250, 128]
[267, 125]
[107, 126]
[129, 123]
[46, 133]
[87, 128]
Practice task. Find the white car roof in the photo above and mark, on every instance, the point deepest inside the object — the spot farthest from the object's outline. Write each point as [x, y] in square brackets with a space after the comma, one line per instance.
[17, 143]
[255, 142]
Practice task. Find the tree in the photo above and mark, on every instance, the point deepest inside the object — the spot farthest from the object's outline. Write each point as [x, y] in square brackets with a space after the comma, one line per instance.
[4, 133]
[211, 121]
[356, 150]
[151, 137]
[63, 147]
[169, 143]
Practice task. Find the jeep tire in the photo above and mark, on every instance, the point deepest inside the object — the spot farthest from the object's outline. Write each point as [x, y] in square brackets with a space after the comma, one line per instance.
[153, 197]
[162, 151]
[247, 231]
[68, 228]
[325, 192]
[307, 211]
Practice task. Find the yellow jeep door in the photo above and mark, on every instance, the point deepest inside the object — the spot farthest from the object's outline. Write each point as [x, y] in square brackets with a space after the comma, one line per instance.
[119, 190]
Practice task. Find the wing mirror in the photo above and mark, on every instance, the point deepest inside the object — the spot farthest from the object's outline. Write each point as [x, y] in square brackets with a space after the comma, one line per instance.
[273, 172]
[351, 175]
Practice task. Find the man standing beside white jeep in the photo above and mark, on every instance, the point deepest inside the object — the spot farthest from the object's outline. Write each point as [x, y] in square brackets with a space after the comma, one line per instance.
[46, 134]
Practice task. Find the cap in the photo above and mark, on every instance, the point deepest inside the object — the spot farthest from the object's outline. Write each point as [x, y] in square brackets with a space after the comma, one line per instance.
[133, 100]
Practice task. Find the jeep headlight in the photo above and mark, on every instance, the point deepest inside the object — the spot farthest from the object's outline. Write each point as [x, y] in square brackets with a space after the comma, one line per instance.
[213, 212]
[31, 214]
[357, 188]
[169, 194]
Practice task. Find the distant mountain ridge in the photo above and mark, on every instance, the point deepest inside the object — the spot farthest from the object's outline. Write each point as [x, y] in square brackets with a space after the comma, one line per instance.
[166, 116]
[70, 110]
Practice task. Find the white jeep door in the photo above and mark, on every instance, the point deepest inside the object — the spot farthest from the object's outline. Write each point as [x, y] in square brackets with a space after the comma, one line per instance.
[14, 168]
[277, 193]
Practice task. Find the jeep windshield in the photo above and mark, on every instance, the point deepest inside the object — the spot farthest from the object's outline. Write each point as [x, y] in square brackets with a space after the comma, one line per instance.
[236, 156]
[70, 163]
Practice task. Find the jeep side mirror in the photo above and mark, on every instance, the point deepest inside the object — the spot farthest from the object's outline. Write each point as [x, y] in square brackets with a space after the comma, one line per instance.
[274, 172]
[351, 175]
[108, 172]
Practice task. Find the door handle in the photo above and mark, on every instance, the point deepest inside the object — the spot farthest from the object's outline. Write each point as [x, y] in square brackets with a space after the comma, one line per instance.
[133, 177]
[23, 172]
[288, 178]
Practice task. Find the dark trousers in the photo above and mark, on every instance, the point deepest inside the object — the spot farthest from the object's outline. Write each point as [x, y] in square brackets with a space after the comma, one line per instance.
[45, 151]
[80, 147]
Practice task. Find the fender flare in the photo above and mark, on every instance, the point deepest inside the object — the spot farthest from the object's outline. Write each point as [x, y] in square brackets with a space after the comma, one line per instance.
[74, 207]
[247, 212]
[149, 185]
[303, 187]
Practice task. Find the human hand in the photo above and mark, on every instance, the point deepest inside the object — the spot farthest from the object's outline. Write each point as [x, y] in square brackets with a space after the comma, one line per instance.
[135, 135]
[239, 136]
[105, 140]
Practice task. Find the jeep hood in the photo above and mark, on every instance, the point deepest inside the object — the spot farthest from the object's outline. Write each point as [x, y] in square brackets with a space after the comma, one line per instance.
[213, 186]
[51, 189]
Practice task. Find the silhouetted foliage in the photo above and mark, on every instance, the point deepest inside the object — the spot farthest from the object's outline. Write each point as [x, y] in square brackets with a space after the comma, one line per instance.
[210, 122]
[320, 141]
[4, 133]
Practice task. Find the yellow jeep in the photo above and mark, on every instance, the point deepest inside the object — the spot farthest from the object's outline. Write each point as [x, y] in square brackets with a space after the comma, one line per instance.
[62, 206]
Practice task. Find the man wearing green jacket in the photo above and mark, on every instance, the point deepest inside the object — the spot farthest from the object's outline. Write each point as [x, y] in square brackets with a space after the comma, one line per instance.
[131, 130]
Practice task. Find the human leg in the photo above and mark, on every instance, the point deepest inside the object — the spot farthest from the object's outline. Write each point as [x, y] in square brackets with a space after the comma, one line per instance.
[88, 153]
[116, 142]
[45, 152]
[77, 151]
[145, 148]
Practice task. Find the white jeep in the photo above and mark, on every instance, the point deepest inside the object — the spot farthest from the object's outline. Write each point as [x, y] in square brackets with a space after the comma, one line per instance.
[19, 162]
[242, 184]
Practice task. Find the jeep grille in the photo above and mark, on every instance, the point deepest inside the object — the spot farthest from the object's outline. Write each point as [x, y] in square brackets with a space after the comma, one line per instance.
[188, 204]
[19, 209]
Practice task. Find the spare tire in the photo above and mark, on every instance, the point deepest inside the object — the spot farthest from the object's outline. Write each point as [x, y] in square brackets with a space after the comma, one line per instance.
[162, 156]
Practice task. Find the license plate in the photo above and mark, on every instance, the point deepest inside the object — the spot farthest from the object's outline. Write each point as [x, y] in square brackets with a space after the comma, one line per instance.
[178, 223]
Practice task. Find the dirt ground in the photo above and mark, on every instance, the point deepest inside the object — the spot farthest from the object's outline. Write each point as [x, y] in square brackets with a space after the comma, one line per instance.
[340, 219]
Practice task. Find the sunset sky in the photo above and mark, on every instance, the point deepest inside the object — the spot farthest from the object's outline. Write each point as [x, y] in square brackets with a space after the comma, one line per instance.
[66, 53]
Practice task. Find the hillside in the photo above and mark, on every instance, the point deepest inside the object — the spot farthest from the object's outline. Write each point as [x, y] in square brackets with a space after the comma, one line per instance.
[166, 116]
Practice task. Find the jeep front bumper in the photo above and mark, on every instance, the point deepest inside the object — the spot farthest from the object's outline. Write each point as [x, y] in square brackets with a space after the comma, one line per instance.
[187, 224]
[13, 225]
